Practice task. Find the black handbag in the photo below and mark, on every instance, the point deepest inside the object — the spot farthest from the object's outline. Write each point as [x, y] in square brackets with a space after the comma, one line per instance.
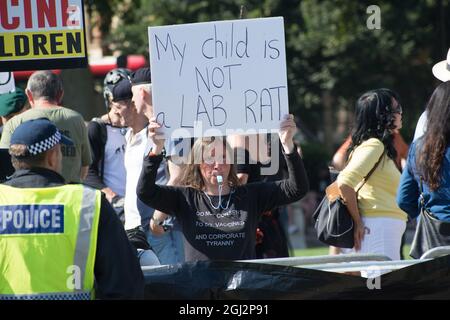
[430, 232]
[333, 222]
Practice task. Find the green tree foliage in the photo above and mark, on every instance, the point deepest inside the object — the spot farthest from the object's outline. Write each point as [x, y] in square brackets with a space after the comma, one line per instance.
[105, 11]
[330, 51]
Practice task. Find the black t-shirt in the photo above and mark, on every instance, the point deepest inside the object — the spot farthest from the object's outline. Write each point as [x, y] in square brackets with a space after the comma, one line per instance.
[97, 140]
[243, 165]
[221, 234]
[6, 168]
[255, 171]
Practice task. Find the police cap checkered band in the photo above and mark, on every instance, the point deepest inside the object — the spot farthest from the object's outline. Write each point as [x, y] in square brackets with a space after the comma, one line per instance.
[45, 145]
[38, 136]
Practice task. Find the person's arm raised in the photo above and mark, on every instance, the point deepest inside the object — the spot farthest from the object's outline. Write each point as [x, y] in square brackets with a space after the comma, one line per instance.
[297, 184]
[282, 192]
[287, 131]
[156, 137]
[167, 199]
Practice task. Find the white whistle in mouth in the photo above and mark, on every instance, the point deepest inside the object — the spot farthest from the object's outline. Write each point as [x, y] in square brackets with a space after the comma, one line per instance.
[219, 179]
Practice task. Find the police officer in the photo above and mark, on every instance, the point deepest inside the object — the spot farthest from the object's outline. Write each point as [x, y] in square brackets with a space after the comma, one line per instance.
[58, 240]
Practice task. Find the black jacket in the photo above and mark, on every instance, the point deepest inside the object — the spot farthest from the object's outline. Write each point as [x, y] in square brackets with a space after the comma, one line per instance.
[117, 271]
[97, 134]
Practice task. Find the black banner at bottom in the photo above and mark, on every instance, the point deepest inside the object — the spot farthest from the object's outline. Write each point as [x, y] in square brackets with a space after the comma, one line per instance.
[43, 64]
[217, 280]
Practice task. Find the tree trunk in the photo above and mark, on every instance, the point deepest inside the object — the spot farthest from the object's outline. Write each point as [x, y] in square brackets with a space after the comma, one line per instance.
[79, 93]
[328, 125]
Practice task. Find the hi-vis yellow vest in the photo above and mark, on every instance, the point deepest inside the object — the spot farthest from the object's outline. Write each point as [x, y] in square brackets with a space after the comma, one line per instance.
[48, 241]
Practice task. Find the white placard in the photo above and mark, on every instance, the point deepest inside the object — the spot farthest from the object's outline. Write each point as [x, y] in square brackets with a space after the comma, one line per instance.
[7, 83]
[213, 78]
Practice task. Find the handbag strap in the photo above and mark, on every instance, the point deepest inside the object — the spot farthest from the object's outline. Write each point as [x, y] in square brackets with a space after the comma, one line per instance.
[370, 172]
[422, 199]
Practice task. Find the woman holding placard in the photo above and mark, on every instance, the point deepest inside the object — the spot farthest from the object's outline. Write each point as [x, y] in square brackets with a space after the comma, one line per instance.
[218, 215]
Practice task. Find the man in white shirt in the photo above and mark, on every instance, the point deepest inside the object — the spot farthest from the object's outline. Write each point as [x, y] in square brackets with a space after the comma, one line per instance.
[168, 246]
[107, 140]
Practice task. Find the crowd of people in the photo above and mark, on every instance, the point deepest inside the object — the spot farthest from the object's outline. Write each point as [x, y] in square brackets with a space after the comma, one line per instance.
[112, 196]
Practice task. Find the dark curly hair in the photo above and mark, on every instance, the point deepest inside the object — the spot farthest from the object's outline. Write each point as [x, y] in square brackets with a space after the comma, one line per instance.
[436, 138]
[375, 118]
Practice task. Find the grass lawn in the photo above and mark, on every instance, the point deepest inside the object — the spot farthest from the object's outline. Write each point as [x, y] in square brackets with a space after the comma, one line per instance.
[322, 251]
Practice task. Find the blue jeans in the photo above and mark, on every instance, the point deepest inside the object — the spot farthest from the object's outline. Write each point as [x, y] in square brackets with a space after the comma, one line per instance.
[168, 247]
[147, 258]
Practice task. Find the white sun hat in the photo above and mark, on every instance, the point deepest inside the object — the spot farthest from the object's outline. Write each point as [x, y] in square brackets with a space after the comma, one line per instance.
[441, 70]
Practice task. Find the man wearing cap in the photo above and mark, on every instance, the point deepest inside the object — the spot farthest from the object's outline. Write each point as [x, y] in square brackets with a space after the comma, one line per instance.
[168, 245]
[58, 238]
[45, 92]
[11, 104]
[441, 71]
[107, 140]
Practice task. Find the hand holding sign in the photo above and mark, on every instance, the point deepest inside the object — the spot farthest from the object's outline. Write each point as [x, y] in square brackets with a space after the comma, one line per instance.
[154, 134]
[287, 131]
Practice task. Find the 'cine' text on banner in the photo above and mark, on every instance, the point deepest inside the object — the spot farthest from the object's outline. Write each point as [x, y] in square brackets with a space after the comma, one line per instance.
[41, 34]
[215, 77]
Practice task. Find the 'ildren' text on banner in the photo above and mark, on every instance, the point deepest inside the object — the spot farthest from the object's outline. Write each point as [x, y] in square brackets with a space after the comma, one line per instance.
[42, 34]
[215, 77]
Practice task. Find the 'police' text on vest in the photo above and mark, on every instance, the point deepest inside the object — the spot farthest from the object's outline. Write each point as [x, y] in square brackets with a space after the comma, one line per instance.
[31, 219]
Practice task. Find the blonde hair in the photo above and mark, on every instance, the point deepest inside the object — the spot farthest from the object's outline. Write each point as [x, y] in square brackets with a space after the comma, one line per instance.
[146, 86]
[192, 176]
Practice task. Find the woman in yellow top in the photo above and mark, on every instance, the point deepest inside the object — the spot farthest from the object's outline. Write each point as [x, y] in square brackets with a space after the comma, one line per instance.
[379, 222]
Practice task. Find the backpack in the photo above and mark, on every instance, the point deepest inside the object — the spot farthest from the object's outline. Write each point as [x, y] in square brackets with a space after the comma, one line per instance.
[103, 138]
